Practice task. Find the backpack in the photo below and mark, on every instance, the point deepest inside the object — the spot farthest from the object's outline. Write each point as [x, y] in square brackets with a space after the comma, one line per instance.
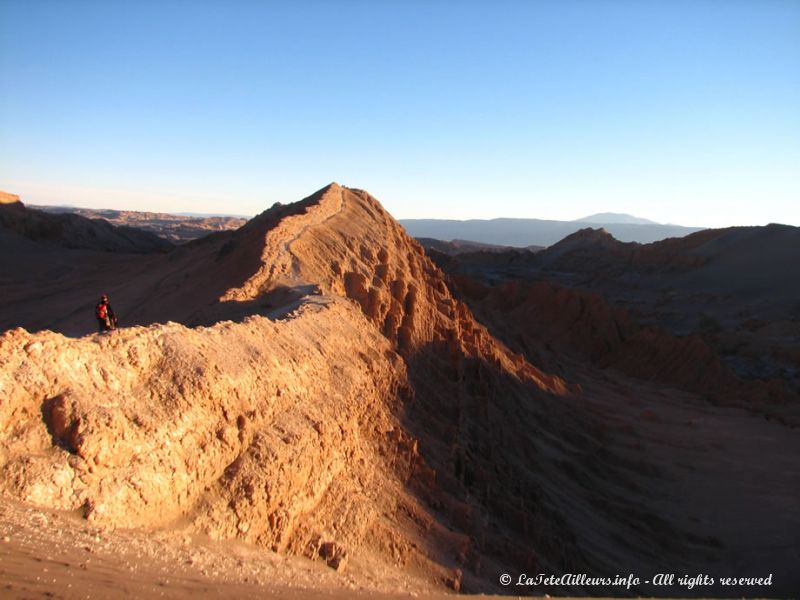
[101, 311]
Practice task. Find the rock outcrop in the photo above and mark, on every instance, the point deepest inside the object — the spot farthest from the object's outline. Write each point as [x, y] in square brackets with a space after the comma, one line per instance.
[346, 244]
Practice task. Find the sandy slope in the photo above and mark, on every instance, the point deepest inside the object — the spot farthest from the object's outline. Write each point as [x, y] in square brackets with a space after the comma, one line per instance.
[45, 553]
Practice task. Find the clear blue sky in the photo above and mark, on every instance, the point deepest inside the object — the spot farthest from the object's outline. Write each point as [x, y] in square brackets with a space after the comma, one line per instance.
[678, 111]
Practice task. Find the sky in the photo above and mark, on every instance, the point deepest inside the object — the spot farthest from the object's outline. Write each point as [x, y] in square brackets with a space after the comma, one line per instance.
[683, 112]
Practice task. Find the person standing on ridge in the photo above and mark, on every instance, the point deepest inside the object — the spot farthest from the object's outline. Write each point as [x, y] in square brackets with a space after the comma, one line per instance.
[106, 319]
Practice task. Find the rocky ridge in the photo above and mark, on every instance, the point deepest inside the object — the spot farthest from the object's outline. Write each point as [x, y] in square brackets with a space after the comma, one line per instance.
[310, 384]
[306, 434]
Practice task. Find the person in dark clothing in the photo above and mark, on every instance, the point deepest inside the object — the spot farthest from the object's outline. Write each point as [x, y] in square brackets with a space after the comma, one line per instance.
[106, 319]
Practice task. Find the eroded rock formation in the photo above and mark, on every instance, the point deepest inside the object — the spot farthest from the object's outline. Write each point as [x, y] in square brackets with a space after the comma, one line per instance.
[368, 417]
[309, 383]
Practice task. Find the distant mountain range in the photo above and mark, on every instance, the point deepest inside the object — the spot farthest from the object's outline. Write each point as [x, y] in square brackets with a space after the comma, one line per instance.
[540, 232]
[20, 225]
[177, 228]
[619, 218]
[456, 247]
[467, 235]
